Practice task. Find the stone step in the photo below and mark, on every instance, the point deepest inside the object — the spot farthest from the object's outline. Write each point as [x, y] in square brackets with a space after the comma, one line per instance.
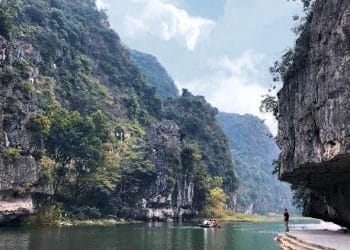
[289, 242]
[309, 244]
[293, 244]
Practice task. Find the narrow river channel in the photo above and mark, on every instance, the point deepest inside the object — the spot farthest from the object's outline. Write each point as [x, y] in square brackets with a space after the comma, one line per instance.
[147, 236]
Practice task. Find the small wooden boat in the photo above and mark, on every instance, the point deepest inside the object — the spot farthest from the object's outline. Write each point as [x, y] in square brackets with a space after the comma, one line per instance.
[208, 226]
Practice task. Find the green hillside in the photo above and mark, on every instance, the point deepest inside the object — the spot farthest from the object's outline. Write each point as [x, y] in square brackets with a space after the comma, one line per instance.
[155, 74]
[254, 151]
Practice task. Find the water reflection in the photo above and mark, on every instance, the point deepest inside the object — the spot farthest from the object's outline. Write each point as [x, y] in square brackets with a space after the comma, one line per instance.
[10, 239]
[150, 236]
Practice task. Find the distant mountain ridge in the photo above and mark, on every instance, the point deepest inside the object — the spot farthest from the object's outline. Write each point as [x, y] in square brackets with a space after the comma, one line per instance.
[155, 74]
[254, 150]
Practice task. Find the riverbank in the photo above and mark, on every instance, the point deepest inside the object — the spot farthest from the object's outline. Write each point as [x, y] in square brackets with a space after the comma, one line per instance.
[232, 217]
[241, 217]
[227, 216]
[100, 222]
[314, 240]
[325, 236]
[110, 222]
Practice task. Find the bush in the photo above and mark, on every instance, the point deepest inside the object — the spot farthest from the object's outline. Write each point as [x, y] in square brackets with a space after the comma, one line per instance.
[59, 4]
[39, 125]
[125, 212]
[11, 154]
[27, 88]
[47, 169]
[6, 16]
[83, 213]
[47, 214]
[35, 15]
[22, 68]
[8, 75]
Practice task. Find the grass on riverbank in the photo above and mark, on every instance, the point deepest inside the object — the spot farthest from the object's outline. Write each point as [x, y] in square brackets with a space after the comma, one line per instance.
[230, 216]
[51, 215]
[98, 222]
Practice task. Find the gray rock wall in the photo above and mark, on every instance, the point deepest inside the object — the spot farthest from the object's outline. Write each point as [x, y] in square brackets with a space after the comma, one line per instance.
[314, 106]
[20, 173]
[171, 196]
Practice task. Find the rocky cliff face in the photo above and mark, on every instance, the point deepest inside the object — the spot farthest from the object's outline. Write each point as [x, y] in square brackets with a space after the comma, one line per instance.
[19, 170]
[171, 195]
[314, 113]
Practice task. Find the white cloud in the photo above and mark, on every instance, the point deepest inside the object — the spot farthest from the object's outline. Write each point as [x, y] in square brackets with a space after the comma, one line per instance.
[230, 82]
[101, 4]
[235, 86]
[165, 21]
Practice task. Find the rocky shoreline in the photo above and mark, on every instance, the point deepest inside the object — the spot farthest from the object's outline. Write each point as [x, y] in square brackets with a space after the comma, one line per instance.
[314, 240]
[322, 236]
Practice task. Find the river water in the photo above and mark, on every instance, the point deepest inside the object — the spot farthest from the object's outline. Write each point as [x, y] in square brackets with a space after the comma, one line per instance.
[148, 236]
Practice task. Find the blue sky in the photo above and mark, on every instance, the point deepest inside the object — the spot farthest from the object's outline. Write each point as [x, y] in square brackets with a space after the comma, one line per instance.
[221, 49]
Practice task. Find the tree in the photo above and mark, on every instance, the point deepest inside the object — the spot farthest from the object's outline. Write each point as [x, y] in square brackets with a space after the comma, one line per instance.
[7, 13]
[215, 202]
[76, 144]
[269, 104]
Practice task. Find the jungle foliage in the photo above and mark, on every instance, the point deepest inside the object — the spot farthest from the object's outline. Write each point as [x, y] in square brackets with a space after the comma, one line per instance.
[92, 110]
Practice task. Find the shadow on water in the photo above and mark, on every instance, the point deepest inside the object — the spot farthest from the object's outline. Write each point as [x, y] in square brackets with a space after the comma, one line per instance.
[148, 236]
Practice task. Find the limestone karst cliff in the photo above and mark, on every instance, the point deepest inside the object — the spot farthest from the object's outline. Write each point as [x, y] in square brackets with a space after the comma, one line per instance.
[19, 168]
[314, 116]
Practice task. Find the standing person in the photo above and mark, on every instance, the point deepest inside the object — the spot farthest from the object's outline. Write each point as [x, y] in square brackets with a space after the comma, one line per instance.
[286, 219]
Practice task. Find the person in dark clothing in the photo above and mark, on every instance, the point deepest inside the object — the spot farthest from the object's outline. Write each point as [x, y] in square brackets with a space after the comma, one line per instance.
[286, 219]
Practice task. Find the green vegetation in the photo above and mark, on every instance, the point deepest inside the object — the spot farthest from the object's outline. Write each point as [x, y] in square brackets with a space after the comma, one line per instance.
[269, 104]
[86, 109]
[230, 216]
[85, 96]
[47, 214]
[215, 203]
[11, 154]
[254, 151]
[94, 223]
[155, 74]
[292, 60]
[87, 164]
[204, 138]
[7, 11]
[58, 30]
[300, 195]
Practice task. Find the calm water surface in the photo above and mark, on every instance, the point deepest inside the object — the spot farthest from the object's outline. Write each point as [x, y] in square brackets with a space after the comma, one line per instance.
[151, 236]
